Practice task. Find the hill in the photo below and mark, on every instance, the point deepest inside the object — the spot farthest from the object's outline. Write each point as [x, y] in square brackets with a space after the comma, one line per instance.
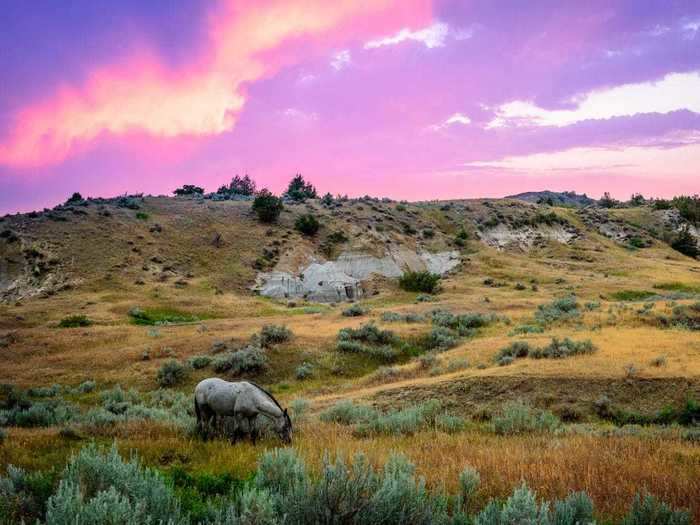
[554, 198]
[583, 318]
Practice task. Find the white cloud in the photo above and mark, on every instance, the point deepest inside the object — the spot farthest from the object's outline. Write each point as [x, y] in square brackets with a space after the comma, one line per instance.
[674, 92]
[690, 29]
[306, 79]
[680, 162]
[431, 36]
[457, 118]
[300, 115]
[341, 60]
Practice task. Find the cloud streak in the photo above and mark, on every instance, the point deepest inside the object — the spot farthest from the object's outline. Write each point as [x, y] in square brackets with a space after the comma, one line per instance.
[141, 94]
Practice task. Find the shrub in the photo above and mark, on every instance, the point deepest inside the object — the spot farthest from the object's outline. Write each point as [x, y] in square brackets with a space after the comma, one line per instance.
[101, 489]
[354, 310]
[266, 206]
[463, 324]
[440, 339]
[23, 495]
[508, 354]
[171, 373]
[299, 190]
[238, 186]
[560, 348]
[450, 424]
[647, 510]
[407, 421]
[142, 216]
[659, 361]
[368, 333]
[74, 321]
[307, 224]
[327, 199]
[250, 359]
[189, 189]
[688, 207]
[394, 317]
[348, 413]
[199, 361]
[517, 418]
[304, 371]
[271, 335]
[428, 233]
[428, 360]
[298, 409]
[686, 243]
[562, 309]
[424, 281]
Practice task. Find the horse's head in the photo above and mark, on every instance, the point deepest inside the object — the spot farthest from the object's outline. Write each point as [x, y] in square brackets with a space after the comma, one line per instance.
[283, 428]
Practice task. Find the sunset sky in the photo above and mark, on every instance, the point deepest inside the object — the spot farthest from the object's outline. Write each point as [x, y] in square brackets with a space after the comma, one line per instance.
[411, 99]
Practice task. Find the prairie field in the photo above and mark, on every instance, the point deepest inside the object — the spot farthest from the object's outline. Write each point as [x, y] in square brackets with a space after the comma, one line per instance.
[603, 399]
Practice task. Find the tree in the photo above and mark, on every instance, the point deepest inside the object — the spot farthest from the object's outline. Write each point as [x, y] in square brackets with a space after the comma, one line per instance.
[606, 201]
[637, 199]
[686, 243]
[267, 206]
[75, 198]
[239, 185]
[189, 189]
[327, 199]
[300, 190]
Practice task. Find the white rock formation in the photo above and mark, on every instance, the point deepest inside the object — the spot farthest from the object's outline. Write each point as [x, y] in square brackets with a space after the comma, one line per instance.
[341, 280]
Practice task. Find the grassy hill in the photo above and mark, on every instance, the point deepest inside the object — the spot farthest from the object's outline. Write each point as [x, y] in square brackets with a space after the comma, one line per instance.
[141, 282]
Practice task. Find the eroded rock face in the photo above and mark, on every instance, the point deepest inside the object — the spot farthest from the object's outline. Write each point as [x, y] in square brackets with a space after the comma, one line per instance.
[504, 236]
[341, 280]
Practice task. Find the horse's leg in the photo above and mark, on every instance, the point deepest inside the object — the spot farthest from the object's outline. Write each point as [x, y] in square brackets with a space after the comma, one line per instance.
[253, 429]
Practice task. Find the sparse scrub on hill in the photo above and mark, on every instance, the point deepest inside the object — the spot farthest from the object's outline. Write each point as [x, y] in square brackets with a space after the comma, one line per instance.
[556, 349]
[267, 206]
[307, 224]
[464, 324]
[75, 321]
[439, 339]
[199, 361]
[425, 282]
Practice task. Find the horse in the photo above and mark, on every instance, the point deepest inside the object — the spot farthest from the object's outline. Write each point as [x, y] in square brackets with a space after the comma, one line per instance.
[215, 398]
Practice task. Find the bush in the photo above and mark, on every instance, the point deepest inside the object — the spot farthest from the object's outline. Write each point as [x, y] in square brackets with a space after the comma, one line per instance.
[647, 510]
[23, 495]
[463, 324]
[560, 348]
[425, 282]
[304, 371]
[74, 321]
[299, 190]
[238, 186]
[686, 243]
[348, 413]
[354, 311]
[407, 421]
[87, 386]
[250, 359]
[171, 373]
[562, 309]
[368, 333]
[450, 424]
[271, 335]
[506, 355]
[307, 224]
[517, 418]
[440, 339]
[189, 189]
[394, 317]
[99, 489]
[199, 361]
[266, 206]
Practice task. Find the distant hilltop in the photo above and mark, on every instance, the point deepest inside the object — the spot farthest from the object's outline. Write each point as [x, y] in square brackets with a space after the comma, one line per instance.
[565, 198]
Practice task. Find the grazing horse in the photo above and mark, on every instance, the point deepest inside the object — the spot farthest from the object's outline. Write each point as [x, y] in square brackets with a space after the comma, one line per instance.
[215, 398]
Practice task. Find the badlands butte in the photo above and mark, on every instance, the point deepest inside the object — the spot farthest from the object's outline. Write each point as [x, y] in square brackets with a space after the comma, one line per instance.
[544, 338]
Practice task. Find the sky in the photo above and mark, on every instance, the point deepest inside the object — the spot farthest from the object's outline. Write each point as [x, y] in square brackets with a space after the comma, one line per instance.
[410, 99]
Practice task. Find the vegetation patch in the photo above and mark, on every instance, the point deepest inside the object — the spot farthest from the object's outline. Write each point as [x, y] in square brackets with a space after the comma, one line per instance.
[632, 295]
[160, 316]
[518, 418]
[425, 282]
[395, 317]
[556, 349]
[678, 287]
[74, 321]
[562, 309]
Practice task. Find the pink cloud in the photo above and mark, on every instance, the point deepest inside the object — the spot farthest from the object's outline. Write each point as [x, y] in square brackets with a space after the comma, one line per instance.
[142, 95]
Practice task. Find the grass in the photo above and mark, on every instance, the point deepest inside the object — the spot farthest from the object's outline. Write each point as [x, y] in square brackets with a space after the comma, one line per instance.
[161, 316]
[678, 287]
[632, 295]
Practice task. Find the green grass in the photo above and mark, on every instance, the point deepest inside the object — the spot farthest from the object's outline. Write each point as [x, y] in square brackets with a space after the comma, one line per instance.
[632, 295]
[678, 287]
[160, 316]
[74, 321]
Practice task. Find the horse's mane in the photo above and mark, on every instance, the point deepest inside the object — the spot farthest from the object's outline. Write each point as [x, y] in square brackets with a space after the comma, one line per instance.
[268, 395]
